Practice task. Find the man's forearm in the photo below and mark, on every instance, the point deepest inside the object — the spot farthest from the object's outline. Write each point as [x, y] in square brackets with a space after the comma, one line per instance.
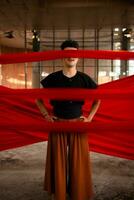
[94, 109]
[41, 107]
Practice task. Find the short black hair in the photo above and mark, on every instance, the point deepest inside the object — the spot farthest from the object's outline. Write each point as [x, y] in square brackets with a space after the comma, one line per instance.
[69, 43]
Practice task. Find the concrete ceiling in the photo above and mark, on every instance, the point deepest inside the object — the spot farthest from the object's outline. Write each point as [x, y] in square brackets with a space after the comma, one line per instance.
[20, 15]
[46, 14]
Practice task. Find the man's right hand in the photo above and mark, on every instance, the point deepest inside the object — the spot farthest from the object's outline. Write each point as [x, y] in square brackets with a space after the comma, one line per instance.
[48, 118]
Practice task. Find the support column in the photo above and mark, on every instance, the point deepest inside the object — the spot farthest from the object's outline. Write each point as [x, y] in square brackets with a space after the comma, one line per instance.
[96, 60]
[125, 45]
[25, 64]
[112, 42]
[83, 47]
[36, 65]
[0, 70]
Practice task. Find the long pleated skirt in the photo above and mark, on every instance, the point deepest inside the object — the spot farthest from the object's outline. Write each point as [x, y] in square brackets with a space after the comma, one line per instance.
[68, 169]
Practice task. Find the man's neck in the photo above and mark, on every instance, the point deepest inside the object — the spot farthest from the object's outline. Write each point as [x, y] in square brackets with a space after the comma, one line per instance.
[69, 72]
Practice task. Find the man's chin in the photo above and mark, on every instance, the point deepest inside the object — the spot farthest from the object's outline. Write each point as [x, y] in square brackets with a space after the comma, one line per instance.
[71, 66]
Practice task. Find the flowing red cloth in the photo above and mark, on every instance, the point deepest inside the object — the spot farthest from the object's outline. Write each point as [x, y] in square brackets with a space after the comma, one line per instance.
[58, 54]
[112, 129]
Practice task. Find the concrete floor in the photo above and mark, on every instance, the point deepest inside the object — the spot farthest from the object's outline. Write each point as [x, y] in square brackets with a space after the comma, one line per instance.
[22, 174]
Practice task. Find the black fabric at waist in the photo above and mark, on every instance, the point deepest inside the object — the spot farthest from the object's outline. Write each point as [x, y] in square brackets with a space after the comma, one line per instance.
[68, 112]
[70, 120]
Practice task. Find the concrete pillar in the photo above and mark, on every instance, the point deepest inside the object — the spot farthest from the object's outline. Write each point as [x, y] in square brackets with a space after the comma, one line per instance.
[36, 75]
[125, 45]
[36, 65]
[0, 70]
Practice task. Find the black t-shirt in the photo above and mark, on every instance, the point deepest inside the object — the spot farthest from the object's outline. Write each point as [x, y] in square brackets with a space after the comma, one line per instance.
[64, 108]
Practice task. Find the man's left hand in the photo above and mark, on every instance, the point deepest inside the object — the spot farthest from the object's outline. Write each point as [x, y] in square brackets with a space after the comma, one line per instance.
[85, 119]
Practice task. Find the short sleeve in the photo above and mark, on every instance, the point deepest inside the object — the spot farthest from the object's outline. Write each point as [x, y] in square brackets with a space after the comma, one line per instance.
[92, 84]
[46, 82]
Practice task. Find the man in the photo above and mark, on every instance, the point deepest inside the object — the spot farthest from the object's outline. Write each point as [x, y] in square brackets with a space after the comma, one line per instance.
[68, 173]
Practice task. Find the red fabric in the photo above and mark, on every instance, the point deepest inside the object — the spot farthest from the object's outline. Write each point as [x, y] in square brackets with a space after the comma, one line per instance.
[56, 54]
[111, 132]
